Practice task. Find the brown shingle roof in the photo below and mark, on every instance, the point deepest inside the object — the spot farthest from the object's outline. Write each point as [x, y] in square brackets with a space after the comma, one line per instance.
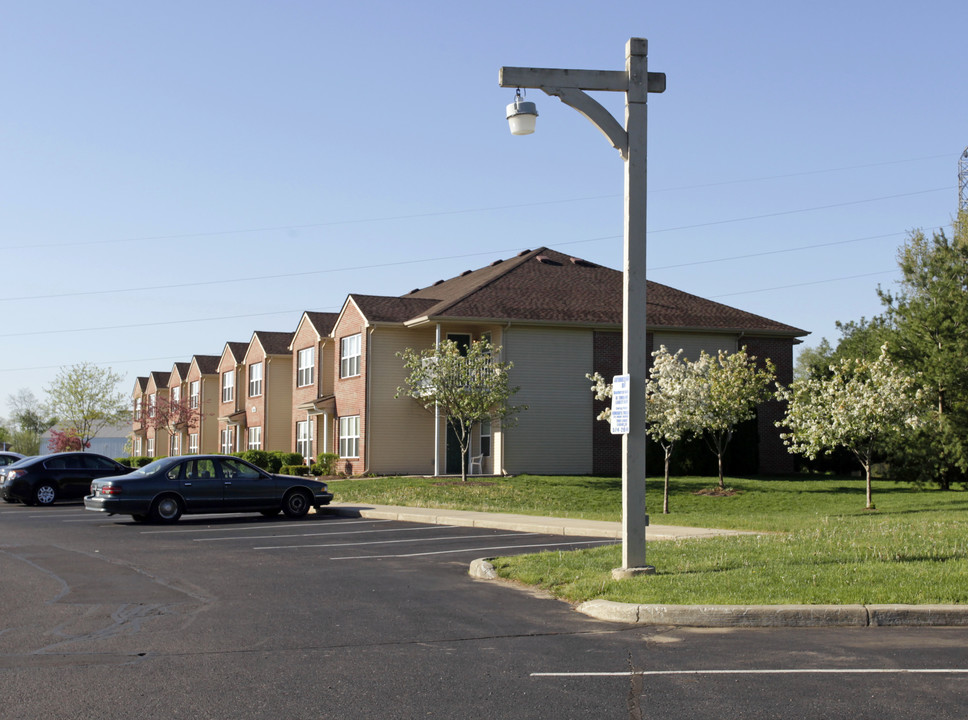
[378, 308]
[207, 364]
[323, 322]
[238, 350]
[547, 286]
[273, 343]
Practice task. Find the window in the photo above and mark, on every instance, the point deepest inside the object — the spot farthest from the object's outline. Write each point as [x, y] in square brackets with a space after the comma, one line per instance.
[255, 379]
[176, 395]
[152, 404]
[350, 351]
[137, 409]
[193, 444]
[304, 439]
[255, 438]
[225, 441]
[228, 386]
[238, 469]
[349, 436]
[137, 447]
[151, 447]
[305, 366]
[486, 438]
[174, 445]
[194, 393]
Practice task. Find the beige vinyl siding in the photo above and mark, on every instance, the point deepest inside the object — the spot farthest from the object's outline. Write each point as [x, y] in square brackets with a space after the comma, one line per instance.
[692, 344]
[399, 434]
[208, 411]
[277, 424]
[552, 436]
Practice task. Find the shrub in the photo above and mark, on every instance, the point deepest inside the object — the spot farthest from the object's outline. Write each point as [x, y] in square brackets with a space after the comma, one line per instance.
[300, 470]
[259, 458]
[292, 458]
[141, 461]
[327, 463]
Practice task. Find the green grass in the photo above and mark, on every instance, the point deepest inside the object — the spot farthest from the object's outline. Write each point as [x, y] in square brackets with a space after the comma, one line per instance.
[819, 544]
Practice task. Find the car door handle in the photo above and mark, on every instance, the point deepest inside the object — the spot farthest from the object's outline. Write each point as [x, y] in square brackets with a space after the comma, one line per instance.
[188, 484]
[228, 482]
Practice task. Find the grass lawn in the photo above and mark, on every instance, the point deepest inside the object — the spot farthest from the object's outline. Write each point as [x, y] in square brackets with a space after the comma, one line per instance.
[819, 544]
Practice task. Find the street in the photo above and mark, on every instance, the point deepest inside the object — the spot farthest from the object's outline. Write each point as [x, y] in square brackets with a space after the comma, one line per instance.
[245, 617]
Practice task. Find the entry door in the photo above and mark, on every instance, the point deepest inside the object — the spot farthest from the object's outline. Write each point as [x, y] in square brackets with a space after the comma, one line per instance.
[453, 464]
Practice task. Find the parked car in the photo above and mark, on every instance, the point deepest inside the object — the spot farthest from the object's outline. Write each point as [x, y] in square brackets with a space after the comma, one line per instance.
[8, 457]
[44, 479]
[165, 489]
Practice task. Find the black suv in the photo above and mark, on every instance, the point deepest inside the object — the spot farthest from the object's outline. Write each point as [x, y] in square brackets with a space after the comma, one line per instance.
[43, 480]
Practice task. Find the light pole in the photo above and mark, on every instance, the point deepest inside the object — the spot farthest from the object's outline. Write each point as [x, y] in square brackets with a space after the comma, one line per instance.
[636, 82]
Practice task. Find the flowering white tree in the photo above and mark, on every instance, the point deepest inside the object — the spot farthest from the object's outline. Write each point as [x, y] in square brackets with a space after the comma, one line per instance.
[467, 387]
[860, 406]
[730, 387]
[672, 404]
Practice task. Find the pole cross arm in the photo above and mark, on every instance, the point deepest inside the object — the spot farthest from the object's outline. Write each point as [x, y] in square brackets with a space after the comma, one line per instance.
[604, 80]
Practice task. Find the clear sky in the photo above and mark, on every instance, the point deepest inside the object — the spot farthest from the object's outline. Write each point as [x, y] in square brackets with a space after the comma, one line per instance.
[176, 175]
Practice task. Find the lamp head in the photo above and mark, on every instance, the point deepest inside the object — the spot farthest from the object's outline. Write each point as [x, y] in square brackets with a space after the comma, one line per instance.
[521, 115]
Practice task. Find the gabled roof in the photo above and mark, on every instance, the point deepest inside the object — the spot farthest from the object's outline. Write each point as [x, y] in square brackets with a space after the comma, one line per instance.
[179, 369]
[159, 378]
[546, 286]
[140, 385]
[207, 364]
[273, 343]
[236, 349]
[322, 324]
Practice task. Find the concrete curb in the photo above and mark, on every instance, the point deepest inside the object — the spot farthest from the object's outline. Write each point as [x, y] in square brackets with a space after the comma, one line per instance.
[750, 616]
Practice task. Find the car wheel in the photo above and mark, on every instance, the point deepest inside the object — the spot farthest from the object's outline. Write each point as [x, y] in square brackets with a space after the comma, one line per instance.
[166, 509]
[269, 513]
[140, 517]
[296, 504]
[45, 494]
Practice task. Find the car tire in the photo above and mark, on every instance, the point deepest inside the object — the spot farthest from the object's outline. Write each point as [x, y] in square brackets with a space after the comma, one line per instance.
[269, 513]
[166, 509]
[296, 504]
[45, 494]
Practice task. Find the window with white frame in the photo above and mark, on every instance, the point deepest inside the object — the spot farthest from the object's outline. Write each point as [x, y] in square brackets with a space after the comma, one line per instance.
[194, 393]
[150, 450]
[255, 379]
[349, 357]
[349, 436]
[137, 447]
[225, 441]
[137, 409]
[228, 386]
[175, 395]
[255, 438]
[152, 404]
[305, 367]
[174, 445]
[304, 439]
[193, 444]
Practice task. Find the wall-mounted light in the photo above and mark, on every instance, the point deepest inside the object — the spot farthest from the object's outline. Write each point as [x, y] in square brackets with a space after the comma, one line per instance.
[522, 115]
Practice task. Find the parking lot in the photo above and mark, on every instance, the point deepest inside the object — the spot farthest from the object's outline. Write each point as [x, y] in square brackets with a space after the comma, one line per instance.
[237, 616]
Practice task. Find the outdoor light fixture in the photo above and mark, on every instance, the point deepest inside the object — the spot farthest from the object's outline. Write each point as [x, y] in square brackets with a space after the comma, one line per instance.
[521, 115]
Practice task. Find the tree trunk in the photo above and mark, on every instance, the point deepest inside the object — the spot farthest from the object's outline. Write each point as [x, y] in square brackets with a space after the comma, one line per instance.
[665, 487]
[867, 471]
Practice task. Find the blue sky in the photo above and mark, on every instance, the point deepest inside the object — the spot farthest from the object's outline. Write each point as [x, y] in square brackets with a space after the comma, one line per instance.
[176, 175]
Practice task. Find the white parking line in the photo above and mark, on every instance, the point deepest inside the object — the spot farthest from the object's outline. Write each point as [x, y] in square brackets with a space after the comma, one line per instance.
[467, 550]
[332, 532]
[777, 671]
[386, 542]
[236, 528]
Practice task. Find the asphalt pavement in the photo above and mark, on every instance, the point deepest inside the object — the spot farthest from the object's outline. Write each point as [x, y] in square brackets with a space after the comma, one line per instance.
[720, 616]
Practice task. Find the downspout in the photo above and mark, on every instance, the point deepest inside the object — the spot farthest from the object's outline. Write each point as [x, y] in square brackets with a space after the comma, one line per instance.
[437, 418]
[366, 403]
[265, 405]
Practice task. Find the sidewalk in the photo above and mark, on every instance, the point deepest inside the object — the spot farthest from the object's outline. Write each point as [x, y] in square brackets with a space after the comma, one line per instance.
[721, 616]
[520, 523]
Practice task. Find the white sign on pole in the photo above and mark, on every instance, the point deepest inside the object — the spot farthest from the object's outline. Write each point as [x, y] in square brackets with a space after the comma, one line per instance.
[620, 405]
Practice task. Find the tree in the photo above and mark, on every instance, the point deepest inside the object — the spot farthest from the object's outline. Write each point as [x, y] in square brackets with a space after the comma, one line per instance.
[466, 388]
[172, 415]
[86, 398]
[859, 406]
[730, 387]
[66, 441]
[672, 395]
[929, 317]
[32, 420]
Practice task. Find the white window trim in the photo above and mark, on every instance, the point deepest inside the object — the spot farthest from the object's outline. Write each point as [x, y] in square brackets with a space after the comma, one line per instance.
[349, 436]
[351, 354]
[254, 438]
[228, 386]
[193, 444]
[255, 379]
[194, 393]
[305, 373]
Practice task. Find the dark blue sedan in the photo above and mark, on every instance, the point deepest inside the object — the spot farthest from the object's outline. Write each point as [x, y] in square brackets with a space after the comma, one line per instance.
[166, 489]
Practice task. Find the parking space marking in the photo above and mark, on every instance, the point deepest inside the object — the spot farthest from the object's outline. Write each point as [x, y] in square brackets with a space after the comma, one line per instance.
[474, 549]
[331, 532]
[388, 542]
[775, 671]
[259, 526]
